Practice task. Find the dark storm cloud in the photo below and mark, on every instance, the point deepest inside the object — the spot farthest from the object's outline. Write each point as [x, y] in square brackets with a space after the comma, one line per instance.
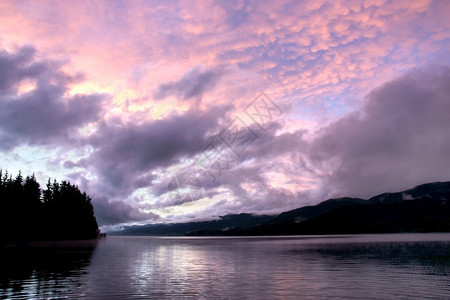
[45, 114]
[193, 84]
[115, 212]
[236, 172]
[126, 154]
[15, 67]
[401, 138]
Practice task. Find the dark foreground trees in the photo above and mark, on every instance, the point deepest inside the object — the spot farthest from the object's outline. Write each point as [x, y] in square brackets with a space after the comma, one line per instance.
[59, 212]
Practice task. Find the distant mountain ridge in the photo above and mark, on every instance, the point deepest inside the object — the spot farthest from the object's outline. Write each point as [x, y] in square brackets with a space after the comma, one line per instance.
[177, 229]
[424, 208]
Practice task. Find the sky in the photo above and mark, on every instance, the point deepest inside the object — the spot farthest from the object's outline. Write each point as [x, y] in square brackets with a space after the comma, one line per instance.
[166, 111]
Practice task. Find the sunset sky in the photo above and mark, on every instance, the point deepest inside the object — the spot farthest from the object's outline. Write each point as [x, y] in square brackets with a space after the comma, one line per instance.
[186, 110]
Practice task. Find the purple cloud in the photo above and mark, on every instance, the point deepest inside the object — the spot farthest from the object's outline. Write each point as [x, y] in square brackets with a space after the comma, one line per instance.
[44, 114]
[399, 139]
[193, 84]
[126, 154]
[115, 212]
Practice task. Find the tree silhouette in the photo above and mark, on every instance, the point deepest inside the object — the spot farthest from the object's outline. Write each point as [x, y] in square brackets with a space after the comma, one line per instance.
[61, 211]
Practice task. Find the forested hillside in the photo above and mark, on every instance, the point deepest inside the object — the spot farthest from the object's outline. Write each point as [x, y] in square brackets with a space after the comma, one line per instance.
[58, 212]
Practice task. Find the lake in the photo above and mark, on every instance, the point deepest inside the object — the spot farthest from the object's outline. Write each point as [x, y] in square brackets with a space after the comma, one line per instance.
[385, 266]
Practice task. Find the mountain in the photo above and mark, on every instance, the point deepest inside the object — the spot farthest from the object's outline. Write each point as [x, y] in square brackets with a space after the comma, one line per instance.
[425, 208]
[435, 190]
[224, 223]
[309, 212]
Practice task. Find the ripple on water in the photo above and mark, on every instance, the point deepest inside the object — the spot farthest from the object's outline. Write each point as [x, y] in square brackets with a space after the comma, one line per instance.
[370, 267]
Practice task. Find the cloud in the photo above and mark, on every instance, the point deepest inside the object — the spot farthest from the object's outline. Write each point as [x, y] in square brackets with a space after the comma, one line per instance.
[309, 50]
[399, 139]
[245, 182]
[14, 67]
[43, 113]
[193, 84]
[126, 154]
[115, 212]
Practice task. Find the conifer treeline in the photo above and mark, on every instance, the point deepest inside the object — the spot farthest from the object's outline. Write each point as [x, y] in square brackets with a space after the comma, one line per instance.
[58, 212]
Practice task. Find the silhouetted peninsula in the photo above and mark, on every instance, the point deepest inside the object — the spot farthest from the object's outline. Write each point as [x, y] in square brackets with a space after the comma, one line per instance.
[58, 212]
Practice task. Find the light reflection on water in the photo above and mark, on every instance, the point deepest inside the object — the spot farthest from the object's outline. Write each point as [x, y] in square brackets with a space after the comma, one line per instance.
[368, 266]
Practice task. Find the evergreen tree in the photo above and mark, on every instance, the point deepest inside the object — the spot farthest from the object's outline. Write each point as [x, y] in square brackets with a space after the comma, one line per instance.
[61, 211]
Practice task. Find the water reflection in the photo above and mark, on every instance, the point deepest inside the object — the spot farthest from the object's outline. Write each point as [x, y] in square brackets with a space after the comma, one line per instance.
[235, 268]
[45, 270]
[386, 270]
[271, 268]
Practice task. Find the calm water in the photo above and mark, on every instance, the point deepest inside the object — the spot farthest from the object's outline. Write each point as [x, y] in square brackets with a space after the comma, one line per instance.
[393, 266]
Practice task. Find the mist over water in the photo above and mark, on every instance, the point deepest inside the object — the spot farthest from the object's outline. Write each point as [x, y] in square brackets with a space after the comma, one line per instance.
[391, 266]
